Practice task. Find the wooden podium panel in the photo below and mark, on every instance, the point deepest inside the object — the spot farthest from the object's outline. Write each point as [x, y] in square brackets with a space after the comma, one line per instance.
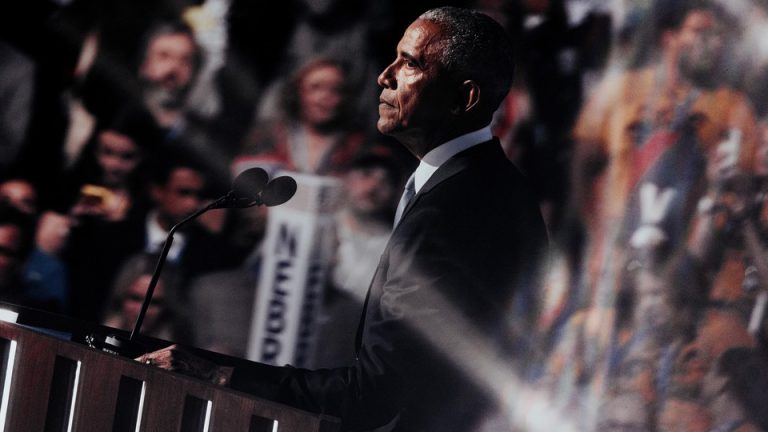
[53, 384]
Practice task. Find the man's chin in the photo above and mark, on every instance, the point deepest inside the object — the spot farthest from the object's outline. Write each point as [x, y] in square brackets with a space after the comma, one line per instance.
[386, 127]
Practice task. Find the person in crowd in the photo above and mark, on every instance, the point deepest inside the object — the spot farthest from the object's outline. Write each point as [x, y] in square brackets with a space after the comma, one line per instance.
[164, 318]
[333, 29]
[93, 249]
[222, 302]
[662, 150]
[363, 228]
[314, 134]
[16, 94]
[108, 180]
[171, 59]
[106, 186]
[365, 222]
[35, 88]
[160, 82]
[17, 254]
[158, 79]
[44, 278]
[16, 240]
[462, 253]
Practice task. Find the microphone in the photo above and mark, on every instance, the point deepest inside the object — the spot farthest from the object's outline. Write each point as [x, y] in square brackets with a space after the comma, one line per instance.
[246, 190]
[252, 187]
[278, 191]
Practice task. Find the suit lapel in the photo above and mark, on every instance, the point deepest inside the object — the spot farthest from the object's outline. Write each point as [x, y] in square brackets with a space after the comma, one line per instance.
[450, 168]
[456, 164]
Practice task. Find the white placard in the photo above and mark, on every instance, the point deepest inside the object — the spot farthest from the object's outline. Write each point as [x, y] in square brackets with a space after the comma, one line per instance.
[298, 250]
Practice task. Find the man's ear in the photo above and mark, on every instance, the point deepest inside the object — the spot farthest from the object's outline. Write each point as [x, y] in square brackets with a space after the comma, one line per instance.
[469, 97]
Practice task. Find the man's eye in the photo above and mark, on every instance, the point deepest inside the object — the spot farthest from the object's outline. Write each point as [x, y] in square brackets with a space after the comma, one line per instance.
[410, 63]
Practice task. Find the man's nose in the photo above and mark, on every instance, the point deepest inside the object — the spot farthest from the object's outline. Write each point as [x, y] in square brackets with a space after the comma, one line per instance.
[386, 78]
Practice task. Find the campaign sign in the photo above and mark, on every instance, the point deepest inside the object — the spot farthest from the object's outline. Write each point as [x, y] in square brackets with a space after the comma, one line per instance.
[298, 250]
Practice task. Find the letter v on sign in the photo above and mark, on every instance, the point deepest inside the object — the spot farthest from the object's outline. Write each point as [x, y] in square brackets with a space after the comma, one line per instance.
[654, 203]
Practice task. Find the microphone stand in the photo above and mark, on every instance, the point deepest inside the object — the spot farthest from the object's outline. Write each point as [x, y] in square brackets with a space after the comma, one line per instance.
[161, 261]
[270, 193]
[118, 345]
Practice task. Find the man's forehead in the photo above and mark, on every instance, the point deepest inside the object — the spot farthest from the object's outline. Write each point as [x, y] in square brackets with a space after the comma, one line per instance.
[421, 36]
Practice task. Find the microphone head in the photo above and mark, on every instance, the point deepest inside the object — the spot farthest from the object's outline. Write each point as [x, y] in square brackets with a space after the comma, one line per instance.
[278, 191]
[249, 184]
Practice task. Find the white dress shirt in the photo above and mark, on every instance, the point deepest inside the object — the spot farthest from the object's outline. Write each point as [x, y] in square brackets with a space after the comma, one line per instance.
[440, 154]
[156, 236]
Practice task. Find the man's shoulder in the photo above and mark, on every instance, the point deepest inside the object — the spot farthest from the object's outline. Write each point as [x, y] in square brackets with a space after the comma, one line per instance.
[486, 165]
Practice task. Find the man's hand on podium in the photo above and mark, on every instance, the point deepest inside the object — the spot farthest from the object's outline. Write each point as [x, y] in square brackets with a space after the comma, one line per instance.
[177, 359]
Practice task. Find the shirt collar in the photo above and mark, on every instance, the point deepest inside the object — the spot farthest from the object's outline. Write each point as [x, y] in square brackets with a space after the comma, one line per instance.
[156, 236]
[440, 154]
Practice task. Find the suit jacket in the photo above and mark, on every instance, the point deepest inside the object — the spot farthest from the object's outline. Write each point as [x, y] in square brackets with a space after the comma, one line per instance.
[440, 303]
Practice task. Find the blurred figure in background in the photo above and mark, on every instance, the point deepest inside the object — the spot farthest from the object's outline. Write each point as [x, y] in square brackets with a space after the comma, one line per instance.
[171, 59]
[365, 222]
[16, 240]
[16, 94]
[109, 179]
[159, 81]
[105, 187]
[658, 148]
[222, 302]
[164, 317]
[342, 30]
[178, 187]
[314, 134]
[371, 186]
[45, 277]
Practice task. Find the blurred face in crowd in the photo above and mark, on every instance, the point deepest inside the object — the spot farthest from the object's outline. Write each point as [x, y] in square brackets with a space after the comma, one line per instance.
[19, 194]
[249, 226]
[320, 94]
[169, 66]
[416, 98]
[369, 190]
[180, 196]
[10, 253]
[134, 298]
[118, 156]
[700, 44]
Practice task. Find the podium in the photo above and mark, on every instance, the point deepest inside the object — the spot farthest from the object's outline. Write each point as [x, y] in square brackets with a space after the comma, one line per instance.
[51, 382]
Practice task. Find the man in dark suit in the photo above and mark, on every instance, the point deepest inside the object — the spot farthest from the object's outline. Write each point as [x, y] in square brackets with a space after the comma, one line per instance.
[462, 255]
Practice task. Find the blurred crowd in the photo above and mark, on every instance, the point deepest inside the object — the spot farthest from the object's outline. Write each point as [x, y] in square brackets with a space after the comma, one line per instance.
[642, 125]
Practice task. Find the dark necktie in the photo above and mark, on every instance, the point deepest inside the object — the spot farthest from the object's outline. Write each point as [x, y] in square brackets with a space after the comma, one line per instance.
[408, 193]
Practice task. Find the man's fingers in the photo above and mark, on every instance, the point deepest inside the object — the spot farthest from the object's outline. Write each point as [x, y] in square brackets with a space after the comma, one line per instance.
[178, 360]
